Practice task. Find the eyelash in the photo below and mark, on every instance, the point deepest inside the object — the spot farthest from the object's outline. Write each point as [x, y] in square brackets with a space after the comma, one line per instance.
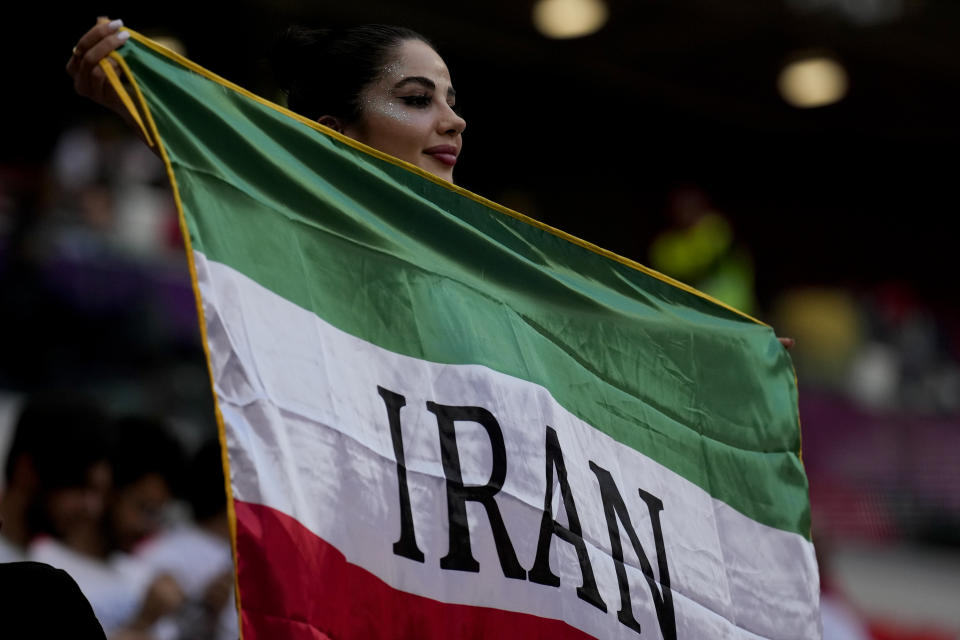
[423, 100]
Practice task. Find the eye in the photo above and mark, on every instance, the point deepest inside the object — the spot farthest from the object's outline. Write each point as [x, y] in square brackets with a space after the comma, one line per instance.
[419, 100]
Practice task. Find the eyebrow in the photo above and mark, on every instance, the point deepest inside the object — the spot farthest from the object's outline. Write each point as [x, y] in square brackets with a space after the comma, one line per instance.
[425, 82]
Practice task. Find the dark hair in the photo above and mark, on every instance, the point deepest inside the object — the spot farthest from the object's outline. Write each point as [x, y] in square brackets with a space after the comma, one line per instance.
[208, 493]
[143, 445]
[323, 71]
[63, 434]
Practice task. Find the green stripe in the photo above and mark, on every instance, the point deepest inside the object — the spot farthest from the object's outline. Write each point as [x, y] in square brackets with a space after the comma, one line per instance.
[419, 269]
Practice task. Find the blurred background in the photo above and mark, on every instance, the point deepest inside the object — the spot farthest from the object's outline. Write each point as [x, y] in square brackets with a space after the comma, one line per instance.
[795, 158]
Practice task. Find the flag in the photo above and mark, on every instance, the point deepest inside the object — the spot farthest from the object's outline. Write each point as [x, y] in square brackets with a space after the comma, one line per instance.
[443, 419]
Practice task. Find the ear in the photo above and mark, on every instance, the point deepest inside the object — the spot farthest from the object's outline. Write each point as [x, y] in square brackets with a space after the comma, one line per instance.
[331, 121]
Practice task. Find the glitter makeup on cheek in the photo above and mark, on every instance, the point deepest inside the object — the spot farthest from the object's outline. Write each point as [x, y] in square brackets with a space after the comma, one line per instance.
[383, 102]
[386, 107]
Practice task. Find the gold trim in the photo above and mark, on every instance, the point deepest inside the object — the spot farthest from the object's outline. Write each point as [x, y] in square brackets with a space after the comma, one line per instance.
[185, 232]
[376, 153]
[176, 57]
[124, 96]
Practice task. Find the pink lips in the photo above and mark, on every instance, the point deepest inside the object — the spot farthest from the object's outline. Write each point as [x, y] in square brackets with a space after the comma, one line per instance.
[445, 153]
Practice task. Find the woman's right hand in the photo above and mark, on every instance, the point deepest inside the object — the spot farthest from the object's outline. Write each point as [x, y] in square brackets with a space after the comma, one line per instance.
[89, 79]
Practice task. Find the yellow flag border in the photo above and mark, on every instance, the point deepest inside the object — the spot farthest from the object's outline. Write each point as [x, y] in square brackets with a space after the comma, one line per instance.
[221, 428]
[176, 57]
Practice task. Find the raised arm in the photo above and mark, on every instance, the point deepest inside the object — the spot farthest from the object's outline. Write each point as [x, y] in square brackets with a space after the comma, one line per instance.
[89, 79]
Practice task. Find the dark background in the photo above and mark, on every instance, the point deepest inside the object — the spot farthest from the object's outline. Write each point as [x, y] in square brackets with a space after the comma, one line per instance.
[846, 209]
[591, 134]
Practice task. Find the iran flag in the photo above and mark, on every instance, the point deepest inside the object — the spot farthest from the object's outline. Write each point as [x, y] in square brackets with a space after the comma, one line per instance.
[443, 419]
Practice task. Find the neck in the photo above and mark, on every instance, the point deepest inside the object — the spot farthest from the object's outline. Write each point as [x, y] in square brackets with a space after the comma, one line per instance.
[87, 541]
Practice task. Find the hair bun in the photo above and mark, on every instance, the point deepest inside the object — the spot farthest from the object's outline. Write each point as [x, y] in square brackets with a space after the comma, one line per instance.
[290, 54]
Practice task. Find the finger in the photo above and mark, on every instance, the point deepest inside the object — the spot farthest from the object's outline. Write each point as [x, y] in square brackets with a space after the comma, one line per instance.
[102, 28]
[100, 50]
[98, 80]
[81, 82]
[787, 342]
[94, 84]
[98, 32]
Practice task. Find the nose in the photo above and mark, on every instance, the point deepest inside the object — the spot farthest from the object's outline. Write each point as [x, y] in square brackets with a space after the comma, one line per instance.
[450, 122]
[93, 503]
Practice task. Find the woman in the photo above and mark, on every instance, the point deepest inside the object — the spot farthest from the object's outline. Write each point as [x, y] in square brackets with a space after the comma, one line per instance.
[383, 86]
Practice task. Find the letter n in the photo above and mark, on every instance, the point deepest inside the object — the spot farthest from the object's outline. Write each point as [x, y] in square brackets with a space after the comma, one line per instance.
[614, 508]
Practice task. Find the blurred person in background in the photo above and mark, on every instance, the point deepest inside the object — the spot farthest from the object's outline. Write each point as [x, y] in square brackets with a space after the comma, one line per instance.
[56, 473]
[198, 555]
[700, 249]
[840, 621]
[148, 464]
[70, 452]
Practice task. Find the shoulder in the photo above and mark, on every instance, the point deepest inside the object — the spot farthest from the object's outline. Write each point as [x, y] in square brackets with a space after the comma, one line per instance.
[9, 552]
[22, 579]
[26, 591]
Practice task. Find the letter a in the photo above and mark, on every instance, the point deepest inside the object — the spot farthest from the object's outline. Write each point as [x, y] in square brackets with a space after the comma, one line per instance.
[541, 573]
[613, 508]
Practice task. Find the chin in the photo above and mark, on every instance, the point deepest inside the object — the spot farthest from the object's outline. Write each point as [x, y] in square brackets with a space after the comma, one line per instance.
[444, 175]
[444, 172]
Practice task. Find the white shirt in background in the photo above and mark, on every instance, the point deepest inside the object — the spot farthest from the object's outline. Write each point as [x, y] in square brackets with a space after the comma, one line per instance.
[839, 621]
[194, 558]
[115, 587]
[10, 552]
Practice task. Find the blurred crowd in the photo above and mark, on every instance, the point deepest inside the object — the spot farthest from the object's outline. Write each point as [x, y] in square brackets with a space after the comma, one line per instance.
[878, 370]
[881, 347]
[103, 498]
[119, 480]
[97, 299]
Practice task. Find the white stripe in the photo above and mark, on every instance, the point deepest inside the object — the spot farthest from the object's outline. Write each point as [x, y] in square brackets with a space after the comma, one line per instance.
[308, 435]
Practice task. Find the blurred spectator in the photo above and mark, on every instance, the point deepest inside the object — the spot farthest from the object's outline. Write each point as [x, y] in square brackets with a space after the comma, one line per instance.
[928, 371]
[840, 621]
[199, 556]
[883, 349]
[56, 474]
[69, 449]
[700, 249]
[147, 464]
[110, 185]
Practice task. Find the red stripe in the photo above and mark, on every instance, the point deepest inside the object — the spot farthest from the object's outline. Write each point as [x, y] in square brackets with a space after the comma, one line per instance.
[294, 584]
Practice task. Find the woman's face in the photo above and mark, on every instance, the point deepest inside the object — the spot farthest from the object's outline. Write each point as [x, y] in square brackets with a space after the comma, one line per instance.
[408, 111]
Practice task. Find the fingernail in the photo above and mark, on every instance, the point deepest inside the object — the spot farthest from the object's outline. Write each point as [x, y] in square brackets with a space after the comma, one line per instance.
[123, 36]
[116, 24]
